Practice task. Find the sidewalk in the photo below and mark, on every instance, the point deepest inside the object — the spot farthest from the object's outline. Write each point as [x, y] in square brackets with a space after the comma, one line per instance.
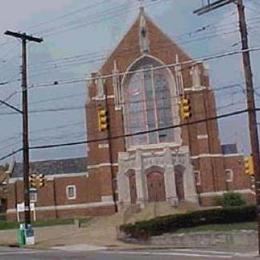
[100, 231]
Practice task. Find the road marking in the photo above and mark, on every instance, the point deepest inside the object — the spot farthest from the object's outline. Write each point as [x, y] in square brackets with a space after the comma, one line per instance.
[23, 251]
[170, 254]
[225, 253]
[80, 247]
[205, 251]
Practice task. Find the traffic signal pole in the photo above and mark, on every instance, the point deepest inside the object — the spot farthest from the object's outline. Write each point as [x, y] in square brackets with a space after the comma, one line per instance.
[24, 37]
[249, 91]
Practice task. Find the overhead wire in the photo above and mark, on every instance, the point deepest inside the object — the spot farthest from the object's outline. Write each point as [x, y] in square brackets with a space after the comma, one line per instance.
[103, 57]
[189, 62]
[49, 146]
[81, 133]
[78, 134]
[202, 27]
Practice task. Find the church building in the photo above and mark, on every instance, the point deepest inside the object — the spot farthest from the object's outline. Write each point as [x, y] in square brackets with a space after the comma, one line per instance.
[147, 150]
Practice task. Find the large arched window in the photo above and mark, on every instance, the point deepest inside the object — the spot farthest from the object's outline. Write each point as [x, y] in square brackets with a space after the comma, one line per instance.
[148, 103]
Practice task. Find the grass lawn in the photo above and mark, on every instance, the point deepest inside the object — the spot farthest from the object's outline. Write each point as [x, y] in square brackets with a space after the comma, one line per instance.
[4, 225]
[220, 227]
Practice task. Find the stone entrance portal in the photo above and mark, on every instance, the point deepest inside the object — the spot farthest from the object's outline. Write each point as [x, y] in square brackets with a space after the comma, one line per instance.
[146, 176]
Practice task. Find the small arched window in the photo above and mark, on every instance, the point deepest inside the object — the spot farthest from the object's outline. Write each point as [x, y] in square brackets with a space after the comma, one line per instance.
[148, 103]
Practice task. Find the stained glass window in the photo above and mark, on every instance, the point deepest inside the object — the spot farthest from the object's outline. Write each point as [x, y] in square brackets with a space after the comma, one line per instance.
[148, 103]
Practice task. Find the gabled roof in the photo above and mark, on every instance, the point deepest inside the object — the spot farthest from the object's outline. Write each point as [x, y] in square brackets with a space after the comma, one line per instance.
[51, 167]
[128, 49]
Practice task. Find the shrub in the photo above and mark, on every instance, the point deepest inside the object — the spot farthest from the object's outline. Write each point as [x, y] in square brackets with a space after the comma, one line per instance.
[171, 223]
[231, 199]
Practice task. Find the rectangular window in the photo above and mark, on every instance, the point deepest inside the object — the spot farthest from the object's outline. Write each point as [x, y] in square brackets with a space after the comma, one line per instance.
[229, 175]
[71, 192]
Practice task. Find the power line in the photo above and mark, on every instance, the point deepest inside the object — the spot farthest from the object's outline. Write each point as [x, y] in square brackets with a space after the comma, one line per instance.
[104, 57]
[139, 133]
[57, 109]
[11, 154]
[103, 16]
[49, 146]
[190, 62]
[79, 10]
[78, 134]
[205, 27]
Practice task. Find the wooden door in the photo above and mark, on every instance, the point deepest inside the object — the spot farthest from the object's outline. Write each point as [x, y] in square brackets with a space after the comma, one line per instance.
[179, 185]
[156, 187]
[132, 186]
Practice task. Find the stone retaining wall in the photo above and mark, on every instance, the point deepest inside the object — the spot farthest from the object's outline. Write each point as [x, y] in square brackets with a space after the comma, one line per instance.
[235, 239]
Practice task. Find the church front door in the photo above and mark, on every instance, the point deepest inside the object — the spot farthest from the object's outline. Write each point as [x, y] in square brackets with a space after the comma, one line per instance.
[156, 187]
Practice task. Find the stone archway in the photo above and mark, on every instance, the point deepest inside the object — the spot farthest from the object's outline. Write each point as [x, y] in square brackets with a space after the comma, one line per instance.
[132, 186]
[155, 185]
[179, 182]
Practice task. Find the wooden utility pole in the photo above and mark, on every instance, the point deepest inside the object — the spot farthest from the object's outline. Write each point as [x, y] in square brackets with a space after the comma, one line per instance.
[109, 135]
[25, 38]
[249, 91]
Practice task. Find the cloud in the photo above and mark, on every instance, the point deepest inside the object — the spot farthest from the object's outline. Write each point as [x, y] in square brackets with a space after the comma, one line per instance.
[21, 11]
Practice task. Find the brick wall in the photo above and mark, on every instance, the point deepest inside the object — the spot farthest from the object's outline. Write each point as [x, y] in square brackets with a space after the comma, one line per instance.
[202, 138]
[52, 200]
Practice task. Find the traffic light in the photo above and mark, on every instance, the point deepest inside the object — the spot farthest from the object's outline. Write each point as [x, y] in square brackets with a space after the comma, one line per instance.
[37, 181]
[41, 181]
[102, 119]
[249, 165]
[33, 180]
[184, 108]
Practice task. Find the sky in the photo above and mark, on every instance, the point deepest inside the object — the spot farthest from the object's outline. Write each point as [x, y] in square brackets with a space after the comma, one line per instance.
[79, 35]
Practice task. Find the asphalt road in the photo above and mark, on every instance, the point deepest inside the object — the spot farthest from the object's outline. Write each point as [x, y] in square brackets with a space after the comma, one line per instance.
[27, 254]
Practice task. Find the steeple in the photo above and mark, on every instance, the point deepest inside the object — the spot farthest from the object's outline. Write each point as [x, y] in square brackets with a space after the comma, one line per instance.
[141, 4]
[144, 42]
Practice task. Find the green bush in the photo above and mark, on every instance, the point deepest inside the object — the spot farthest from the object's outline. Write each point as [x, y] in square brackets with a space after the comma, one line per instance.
[231, 199]
[172, 223]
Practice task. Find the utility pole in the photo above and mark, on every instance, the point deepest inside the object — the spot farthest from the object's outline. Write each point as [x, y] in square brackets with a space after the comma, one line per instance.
[109, 135]
[249, 91]
[24, 37]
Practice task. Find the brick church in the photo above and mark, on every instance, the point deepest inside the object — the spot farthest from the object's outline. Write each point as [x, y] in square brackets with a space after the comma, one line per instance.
[148, 152]
[141, 157]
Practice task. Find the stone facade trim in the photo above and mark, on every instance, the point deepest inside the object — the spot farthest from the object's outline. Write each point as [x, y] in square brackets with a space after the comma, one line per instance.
[102, 146]
[195, 88]
[95, 166]
[206, 155]
[154, 146]
[103, 98]
[54, 176]
[200, 137]
[72, 206]
[218, 193]
[107, 198]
